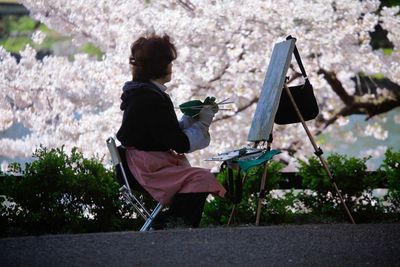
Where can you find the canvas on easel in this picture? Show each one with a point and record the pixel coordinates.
(271, 91)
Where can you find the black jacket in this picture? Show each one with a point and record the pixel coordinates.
(149, 121)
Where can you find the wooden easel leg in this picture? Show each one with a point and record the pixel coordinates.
(318, 152)
(325, 165)
(261, 195)
(232, 215)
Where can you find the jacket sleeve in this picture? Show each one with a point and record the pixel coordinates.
(163, 124)
(198, 136)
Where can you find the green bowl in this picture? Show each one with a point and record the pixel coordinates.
(191, 108)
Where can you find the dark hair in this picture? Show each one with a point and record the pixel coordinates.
(150, 57)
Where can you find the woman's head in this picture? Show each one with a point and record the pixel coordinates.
(151, 57)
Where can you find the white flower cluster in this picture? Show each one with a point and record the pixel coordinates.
(376, 130)
(38, 37)
(223, 51)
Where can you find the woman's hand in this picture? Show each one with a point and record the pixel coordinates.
(210, 101)
(206, 115)
(186, 121)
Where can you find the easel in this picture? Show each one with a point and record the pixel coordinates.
(317, 151)
(276, 81)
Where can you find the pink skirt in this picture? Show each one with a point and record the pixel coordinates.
(163, 174)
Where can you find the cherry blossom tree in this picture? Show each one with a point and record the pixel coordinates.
(223, 51)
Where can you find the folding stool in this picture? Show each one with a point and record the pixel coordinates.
(126, 188)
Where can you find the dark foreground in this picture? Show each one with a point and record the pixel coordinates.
(304, 245)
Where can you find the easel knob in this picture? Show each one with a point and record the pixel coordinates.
(318, 152)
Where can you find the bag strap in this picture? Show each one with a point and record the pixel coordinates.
(298, 58)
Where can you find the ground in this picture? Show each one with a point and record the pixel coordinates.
(301, 245)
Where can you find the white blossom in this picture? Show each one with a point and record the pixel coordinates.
(396, 118)
(223, 50)
(38, 37)
(376, 131)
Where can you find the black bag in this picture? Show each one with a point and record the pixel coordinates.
(232, 184)
(303, 96)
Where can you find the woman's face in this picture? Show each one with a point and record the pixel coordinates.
(168, 77)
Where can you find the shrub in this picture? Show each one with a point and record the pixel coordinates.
(318, 202)
(58, 193)
(354, 182)
(391, 169)
(217, 211)
(349, 173)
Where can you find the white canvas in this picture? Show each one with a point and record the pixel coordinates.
(264, 116)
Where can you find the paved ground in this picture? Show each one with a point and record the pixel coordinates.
(306, 245)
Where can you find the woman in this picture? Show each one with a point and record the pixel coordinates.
(156, 140)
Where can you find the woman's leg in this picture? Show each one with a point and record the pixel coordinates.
(186, 208)
(189, 207)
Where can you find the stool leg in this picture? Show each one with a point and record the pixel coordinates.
(149, 220)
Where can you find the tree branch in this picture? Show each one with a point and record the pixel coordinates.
(370, 106)
(186, 4)
(337, 86)
(240, 109)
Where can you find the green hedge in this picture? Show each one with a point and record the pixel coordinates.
(319, 203)
(68, 193)
(60, 193)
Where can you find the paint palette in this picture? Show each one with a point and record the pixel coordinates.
(246, 152)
